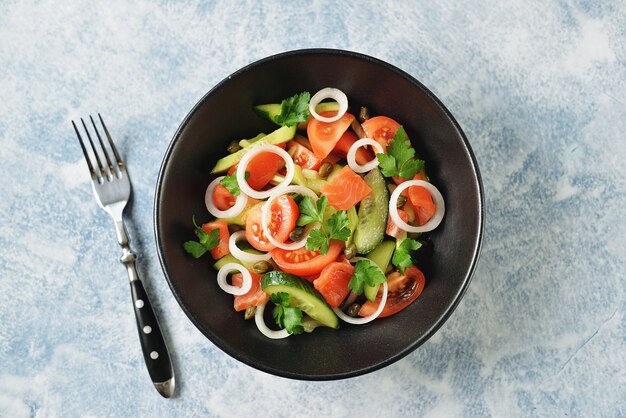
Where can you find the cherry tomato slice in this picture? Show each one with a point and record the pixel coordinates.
(324, 135)
(221, 249)
(348, 138)
(283, 215)
(381, 129)
(254, 231)
(333, 282)
(222, 198)
(303, 262)
(303, 156)
(403, 290)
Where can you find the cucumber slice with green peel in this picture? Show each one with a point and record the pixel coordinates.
(229, 258)
(271, 110)
(241, 218)
(279, 136)
(381, 255)
(302, 295)
(370, 230)
(247, 142)
(353, 220)
(268, 111)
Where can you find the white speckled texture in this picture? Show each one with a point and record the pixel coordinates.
(540, 90)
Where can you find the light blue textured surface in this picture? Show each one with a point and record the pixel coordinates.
(540, 90)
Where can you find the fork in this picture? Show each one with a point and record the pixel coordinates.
(111, 186)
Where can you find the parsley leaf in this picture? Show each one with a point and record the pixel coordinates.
(311, 212)
(365, 272)
(286, 316)
(335, 228)
(206, 241)
(402, 254)
(294, 109)
(399, 160)
(231, 184)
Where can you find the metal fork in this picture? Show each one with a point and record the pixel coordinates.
(111, 185)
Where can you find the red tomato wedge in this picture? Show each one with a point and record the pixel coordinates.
(324, 135)
(262, 168)
(346, 189)
(283, 215)
(303, 156)
(363, 156)
(221, 249)
(255, 296)
(222, 198)
(254, 232)
(394, 230)
(403, 290)
(381, 129)
(333, 282)
(303, 262)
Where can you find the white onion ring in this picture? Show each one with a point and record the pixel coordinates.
(432, 222)
(242, 255)
(329, 93)
(357, 168)
(370, 318)
(265, 209)
(260, 324)
(238, 207)
(234, 290)
(241, 170)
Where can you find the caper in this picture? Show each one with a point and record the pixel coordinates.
(234, 228)
(233, 147)
(364, 114)
(350, 252)
(401, 201)
(296, 234)
(325, 170)
(261, 267)
(353, 310)
(250, 312)
(391, 187)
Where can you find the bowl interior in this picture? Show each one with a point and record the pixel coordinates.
(224, 114)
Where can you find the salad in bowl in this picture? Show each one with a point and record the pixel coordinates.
(322, 221)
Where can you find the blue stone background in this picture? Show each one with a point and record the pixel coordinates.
(540, 90)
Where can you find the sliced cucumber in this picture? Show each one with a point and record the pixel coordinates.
(247, 142)
(279, 136)
(381, 255)
(302, 295)
(268, 111)
(336, 169)
(353, 220)
(372, 214)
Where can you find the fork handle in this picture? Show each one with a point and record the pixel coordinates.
(155, 352)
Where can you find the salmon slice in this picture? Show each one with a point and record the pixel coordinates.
(346, 189)
(255, 295)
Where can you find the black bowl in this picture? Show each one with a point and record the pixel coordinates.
(225, 113)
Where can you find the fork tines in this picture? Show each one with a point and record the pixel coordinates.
(102, 172)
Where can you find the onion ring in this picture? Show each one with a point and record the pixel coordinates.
(238, 207)
(329, 93)
(246, 285)
(242, 255)
(357, 168)
(432, 222)
(241, 170)
(265, 209)
(370, 318)
(260, 324)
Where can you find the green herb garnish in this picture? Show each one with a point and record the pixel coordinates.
(365, 272)
(399, 160)
(286, 316)
(402, 254)
(335, 228)
(206, 241)
(294, 109)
